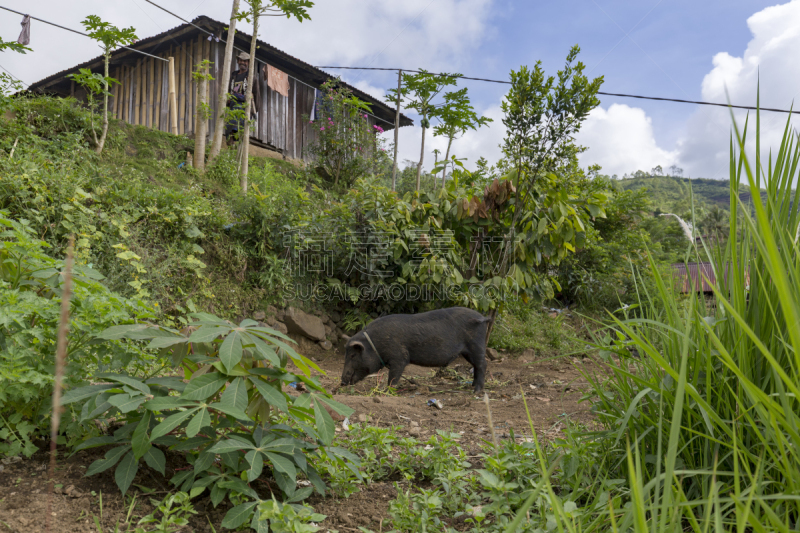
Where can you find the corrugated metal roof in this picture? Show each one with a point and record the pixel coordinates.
(701, 275)
(313, 75)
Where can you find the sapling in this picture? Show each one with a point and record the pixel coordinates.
(110, 37)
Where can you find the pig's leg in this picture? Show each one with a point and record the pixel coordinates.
(395, 372)
(476, 355)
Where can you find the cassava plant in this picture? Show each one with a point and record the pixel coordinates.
(110, 37)
(96, 85)
(229, 414)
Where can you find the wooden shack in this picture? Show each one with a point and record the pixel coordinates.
(141, 97)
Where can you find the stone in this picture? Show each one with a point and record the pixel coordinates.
(376, 400)
(280, 314)
(304, 345)
(326, 345)
(492, 354)
(307, 325)
(259, 315)
(415, 431)
(529, 354)
(328, 330)
(335, 317)
(414, 424)
(271, 310)
(363, 418)
(326, 320)
(271, 320)
(280, 327)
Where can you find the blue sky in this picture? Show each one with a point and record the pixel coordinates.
(661, 48)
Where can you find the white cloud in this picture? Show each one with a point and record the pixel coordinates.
(768, 61)
(620, 139)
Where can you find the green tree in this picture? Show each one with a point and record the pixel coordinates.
(258, 9)
(9, 84)
(456, 117)
(420, 89)
(542, 115)
(110, 37)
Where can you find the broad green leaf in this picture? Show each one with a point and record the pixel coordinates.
(200, 420)
(126, 471)
(81, 393)
(170, 423)
(282, 464)
(120, 332)
(325, 425)
(208, 333)
(203, 387)
(266, 351)
(155, 459)
(164, 342)
(230, 353)
(238, 515)
(270, 394)
(165, 403)
(125, 403)
(241, 415)
(340, 408)
(111, 458)
(231, 445)
(127, 380)
(235, 395)
(139, 440)
(239, 486)
(256, 462)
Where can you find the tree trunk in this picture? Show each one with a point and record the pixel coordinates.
(447, 155)
(421, 157)
(201, 124)
(219, 124)
(103, 134)
(248, 103)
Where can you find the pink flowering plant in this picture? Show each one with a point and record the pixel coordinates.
(348, 144)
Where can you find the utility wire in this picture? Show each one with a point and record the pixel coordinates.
(698, 102)
(16, 78)
(78, 32)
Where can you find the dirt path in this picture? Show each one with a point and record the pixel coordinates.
(552, 389)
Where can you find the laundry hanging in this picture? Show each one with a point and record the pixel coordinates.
(277, 80)
(25, 35)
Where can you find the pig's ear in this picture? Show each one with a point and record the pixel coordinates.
(357, 346)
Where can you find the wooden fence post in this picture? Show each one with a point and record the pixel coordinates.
(173, 105)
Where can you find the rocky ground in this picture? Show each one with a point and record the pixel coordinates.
(552, 389)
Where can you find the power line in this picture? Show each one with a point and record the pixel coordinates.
(78, 32)
(16, 78)
(678, 100)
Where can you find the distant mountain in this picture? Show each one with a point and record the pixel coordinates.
(673, 194)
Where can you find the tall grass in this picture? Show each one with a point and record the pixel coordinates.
(705, 425)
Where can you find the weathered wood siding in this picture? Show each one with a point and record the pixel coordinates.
(142, 97)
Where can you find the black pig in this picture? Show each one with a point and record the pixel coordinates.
(431, 339)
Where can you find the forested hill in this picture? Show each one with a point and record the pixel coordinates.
(671, 194)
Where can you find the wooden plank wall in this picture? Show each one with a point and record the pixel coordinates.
(141, 98)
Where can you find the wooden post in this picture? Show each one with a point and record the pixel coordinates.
(157, 97)
(181, 88)
(151, 102)
(396, 129)
(137, 96)
(173, 105)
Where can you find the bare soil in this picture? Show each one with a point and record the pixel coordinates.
(552, 390)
